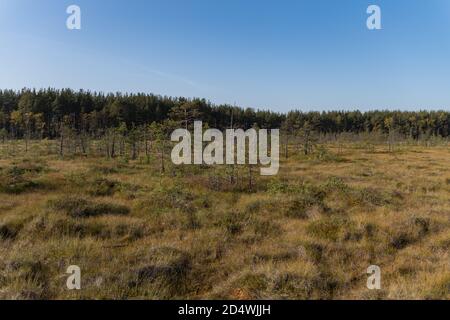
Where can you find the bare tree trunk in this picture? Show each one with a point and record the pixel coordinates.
(146, 143)
(82, 144)
(26, 142)
(162, 156)
(286, 147)
(61, 144)
(250, 178)
(133, 150)
(113, 147)
(108, 152)
(122, 147)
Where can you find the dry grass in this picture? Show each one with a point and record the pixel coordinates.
(309, 233)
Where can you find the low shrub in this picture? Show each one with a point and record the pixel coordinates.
(409, 232)
(324, 155)
(233, 222)
(78, 207)
(102, 187)
(330, 228)
(167, 273)
(172, 198)
(9, 231)
(266, 228)
(13, 181)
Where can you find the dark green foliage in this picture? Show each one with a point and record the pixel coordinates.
(96, 112)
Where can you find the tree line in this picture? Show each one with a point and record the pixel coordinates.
(52, 114)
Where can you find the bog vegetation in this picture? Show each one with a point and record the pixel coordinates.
(354, 190)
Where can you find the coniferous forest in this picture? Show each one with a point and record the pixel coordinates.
(46, 113)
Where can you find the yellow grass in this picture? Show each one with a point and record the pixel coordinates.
(181, 239)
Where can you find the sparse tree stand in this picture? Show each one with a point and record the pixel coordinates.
(133, 139)
(82, 135)
(65, 134)
(122, 133)
(288, 128)
(250, 178)
(161, 132)
(147, 140)
(340, 142)
(163, 146)
(186, 113)
(83, 143)
(390, 124)
(285, 130)
(286, 146)
(251, 182)
(27, 124)
(113, 144)
(306, 134)
(61, 140)
(110, 143)
(3, 135)
(391, 140)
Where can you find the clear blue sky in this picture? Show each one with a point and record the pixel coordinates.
(279, 55)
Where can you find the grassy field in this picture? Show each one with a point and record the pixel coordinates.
(203, 232)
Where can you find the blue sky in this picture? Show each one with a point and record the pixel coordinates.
(278, 55)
